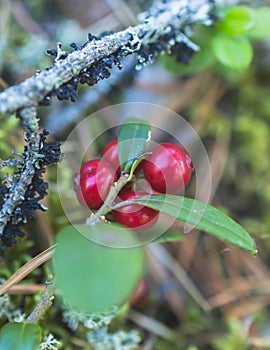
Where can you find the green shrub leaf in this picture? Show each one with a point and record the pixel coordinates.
(202, 216)
(20, 336)
(233, 52)
(262, 28)
(132, 139)
(200, 61)
(238, 20)
(93, 277)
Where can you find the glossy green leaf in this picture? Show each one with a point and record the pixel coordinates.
(93, 277)
(20, 336)
(132, 140)
(202, 216)
(233, 52)
(238, 20)
(262, 28)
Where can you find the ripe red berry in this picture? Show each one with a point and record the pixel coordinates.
(77, 189)
(140, 295)
(168, 169)
(135, 216)
(142, 185)
(139, 169)
(93, 183)
(110, 155)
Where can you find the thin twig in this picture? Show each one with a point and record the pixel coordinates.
(44, 303)
(96, 218)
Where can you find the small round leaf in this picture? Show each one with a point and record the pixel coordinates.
(262, 28)
(233, 52)
(20, 336)
(93, 277)
(200, 61)
(238, 20)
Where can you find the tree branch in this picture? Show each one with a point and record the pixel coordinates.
(21, 197)
(164, 21)
(73, 112)
(20, 184)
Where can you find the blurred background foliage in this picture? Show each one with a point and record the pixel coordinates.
(229, 109)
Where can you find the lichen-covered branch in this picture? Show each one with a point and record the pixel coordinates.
(160, 29)
(70, 113)
(44, 304)
(21, 197)
(17, 189)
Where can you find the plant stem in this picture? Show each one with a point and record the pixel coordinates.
(97, 217)
(44, 303)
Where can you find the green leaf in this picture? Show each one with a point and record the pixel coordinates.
(238, 20)
(200, 61)
(169, 236)
(233, 52)
(93, 277)
(262, 28)
(132, 139)
(20, 336)
(202, 216)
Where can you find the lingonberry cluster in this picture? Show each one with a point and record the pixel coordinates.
(167, 169)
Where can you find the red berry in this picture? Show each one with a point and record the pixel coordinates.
(143, 185)
(168, 169)
(139, 169)
(135, 216)
(127, 188)
(77, 189)
(93, 183)
(140, 295)
(110, 155)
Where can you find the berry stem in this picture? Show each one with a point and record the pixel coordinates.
(98, 216)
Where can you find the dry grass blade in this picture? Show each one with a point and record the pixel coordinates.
(27, 269)
(249, 306)
(151, 325)
(25, 289)
(172, 265)
(161, 276)
(238, 289)
(3, 83)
